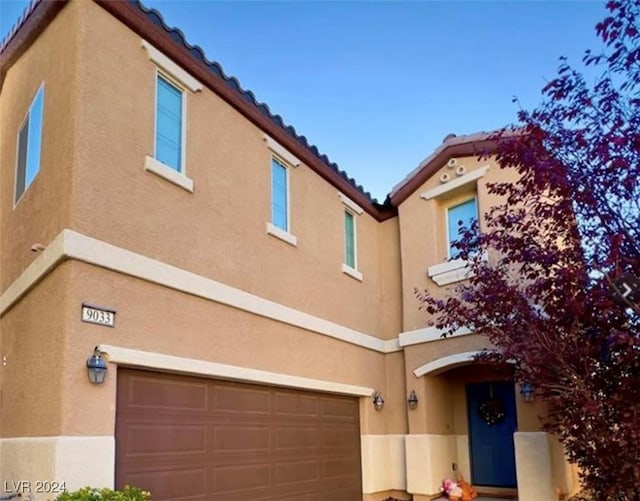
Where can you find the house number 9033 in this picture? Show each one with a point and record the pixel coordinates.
(100, 316)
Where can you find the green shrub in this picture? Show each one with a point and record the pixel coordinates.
(93, 494)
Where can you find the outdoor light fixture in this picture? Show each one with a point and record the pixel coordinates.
(96, 367)
(378, 401)
(527, 392)
(412, 401)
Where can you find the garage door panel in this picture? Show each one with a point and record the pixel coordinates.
(166, 394)
(171, 483)
(293, 404)
(241, 438)
(296, 437)
(338, 408)
(234, 441)
(236, 399)
(241, 478)
(165, 438)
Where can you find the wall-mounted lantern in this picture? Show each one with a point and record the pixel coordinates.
(378, 401)
(412, 401)
(527, 392)
(96, 367)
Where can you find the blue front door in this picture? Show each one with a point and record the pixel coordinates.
(492, 422)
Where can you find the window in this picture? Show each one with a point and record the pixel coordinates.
(169, 123)
(461, 215)
(29, 145)
(349, 240)
(279, 195)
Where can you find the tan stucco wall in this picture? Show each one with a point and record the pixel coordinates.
(157, 319)
(423, 230)
(44, 207)
(31, 377)
(217, 231)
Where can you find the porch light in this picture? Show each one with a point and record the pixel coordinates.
(412, 401)
(378, 401)
(527, 392)
(96, 367)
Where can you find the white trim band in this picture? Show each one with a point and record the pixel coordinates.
(273, 230)
(166, 172)
(456, 183)
(350, 204)
(72, 245)
(428, 335)
(159, 59)
(447, 362)
(352, 272)
(281, 151)
(151, 360)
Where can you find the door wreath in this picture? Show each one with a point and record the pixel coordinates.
(491, 410)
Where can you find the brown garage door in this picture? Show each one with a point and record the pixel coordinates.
(183, 437)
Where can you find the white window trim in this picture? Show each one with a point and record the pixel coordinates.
(446, 219)
(346, 269)
(456, 183)
(162, 61)
(272, 229)
(285, 236)
(350, 203)
(352, 272)
(281, 152)
(183, 124)
(166, 172)
(16, 199)
(450, 272)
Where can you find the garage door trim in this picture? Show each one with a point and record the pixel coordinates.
(196, 367)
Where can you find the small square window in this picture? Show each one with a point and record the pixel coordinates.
(29, 145)
(459, 216)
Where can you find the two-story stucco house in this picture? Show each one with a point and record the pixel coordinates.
(254, 307)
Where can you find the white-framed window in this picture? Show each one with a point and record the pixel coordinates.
(350, 255)
(170, 123)
(29, 145)
(279, 194)
(350, 230)
(460, 215)
(172, 85)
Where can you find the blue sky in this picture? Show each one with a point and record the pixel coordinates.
(377, 85)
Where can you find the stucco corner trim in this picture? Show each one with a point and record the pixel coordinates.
(47, 260)
(448, 362)
(281, 234)
(166, 172)
(281, 151)
(442, 189)
(428, 335)
(159, 59)
(350, 204)
(152, 360)
(352, 272)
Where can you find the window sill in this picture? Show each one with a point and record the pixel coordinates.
(449, 272)
(166, 172)
(285, 236)
(352, 272)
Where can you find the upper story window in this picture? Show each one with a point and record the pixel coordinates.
(29, 145)
(349, 240)
(172, 85)
(279, 195)
(169, 123)
(350, 265)
(282, 164)
(461, 215)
